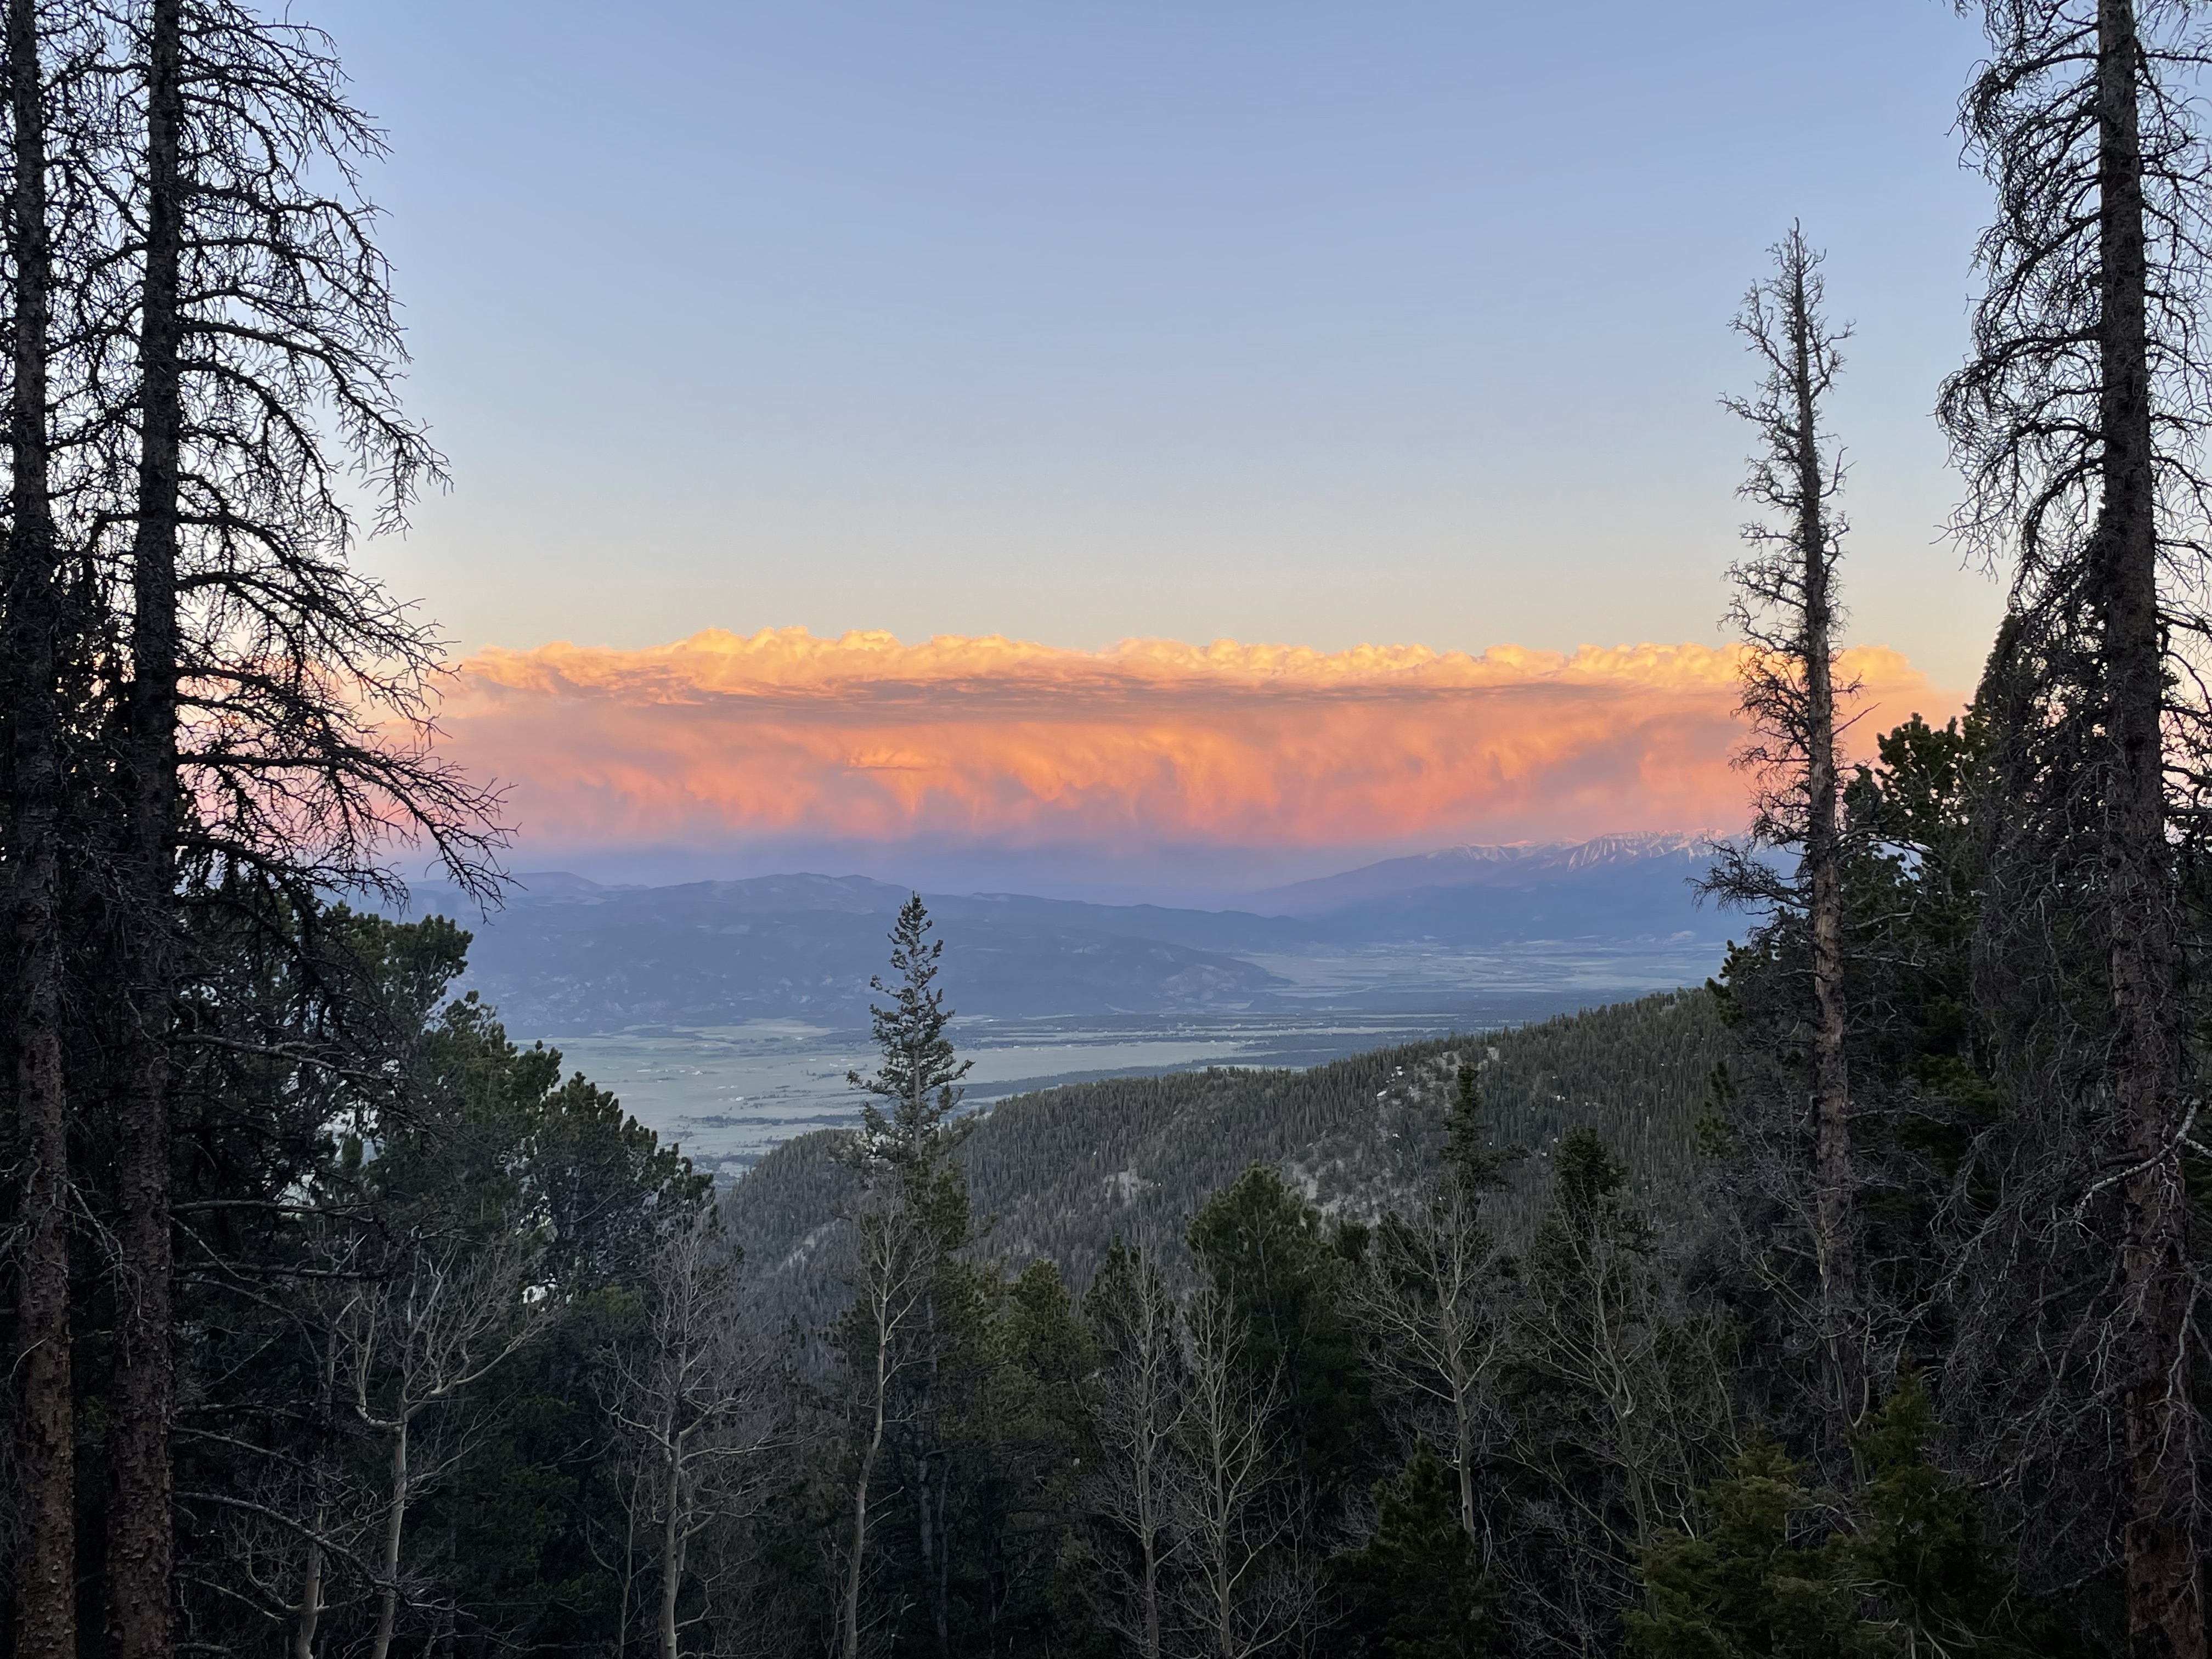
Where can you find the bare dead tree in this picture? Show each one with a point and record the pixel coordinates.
(2078, 421)
(692, 1398)
(54, 114)
(45, 1573)
(142, 1548)
(1786, 611)
(276, 704)
(1137, 1404)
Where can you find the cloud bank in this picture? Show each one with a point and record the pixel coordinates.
(720, 739)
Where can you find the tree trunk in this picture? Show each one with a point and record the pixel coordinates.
(861, 1492)
(1836, 1217)
(1463, 1427)
(142, 1547)
(45, 1429)
(1151, 1597)
(671, 1550)
(395, 1521)
(2165, 1614)
(929, 1501)
(311, 1598)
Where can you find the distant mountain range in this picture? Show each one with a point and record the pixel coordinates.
(1524, 865)
(570, 956)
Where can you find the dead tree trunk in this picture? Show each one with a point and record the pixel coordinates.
(1785, 608)
(142, 1543)
(2080, 422)
(2165, 1614)
(45, 1570)
(1837, 1209)
(879, 1386)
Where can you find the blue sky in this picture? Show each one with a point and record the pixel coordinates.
(1301, 322)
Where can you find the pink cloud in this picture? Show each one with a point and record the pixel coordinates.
(719, 738)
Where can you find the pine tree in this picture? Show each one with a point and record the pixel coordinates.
(1918, 1545)
(919, 1075)
(1272, 1260)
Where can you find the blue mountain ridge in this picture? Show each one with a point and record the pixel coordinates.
(567, 955)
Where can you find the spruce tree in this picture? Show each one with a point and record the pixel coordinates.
(1273, 1261)
(914, 1313)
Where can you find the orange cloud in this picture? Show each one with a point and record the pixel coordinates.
(720, 737)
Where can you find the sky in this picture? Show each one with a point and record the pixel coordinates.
(1319, 325)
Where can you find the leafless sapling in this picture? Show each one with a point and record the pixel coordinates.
(1136, 1403)
(1429, 1290)
(1243, 1587)
(691, 1397)
(449, 1312)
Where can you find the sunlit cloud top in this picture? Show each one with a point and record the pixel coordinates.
(722, 738)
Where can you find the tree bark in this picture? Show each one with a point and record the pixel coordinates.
(851, 1647)
(142, 1547)
(2165, 1614)
(671, 1546)
(395, 1522)
(45, 1570)
(311, 1597)
(1463, 1449)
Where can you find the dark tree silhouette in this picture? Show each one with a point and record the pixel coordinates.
(37, 623)
(2078, 420)
(264, 676)
(1786, 611)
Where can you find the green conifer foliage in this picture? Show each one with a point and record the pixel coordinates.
(1468, 1158)
(1919, 1547)
(1749, 1584)
(1416, 1590)
(918, 1077)
(1273, 1259)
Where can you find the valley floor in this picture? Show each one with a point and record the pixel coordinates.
(728, 1094)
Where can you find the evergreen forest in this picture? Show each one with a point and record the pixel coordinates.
(1852, 1304)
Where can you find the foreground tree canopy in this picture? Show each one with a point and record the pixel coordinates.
(338, 1323)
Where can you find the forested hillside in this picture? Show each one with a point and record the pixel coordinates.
(1063, 1174)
